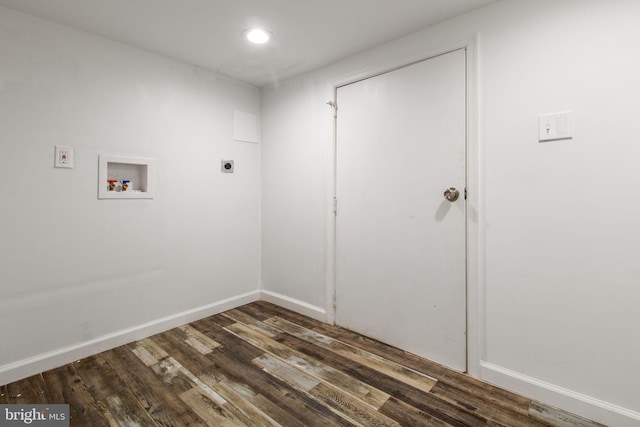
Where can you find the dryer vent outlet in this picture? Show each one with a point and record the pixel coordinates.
(227, 166)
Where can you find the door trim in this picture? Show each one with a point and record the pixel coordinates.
(474, 214)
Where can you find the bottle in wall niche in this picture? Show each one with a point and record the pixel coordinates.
(126, 185)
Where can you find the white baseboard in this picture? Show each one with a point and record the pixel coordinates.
(43, 362)
(562, 398)
(292, 304)
(565, 399)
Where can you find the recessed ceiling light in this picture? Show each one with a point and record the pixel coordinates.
(257, 35)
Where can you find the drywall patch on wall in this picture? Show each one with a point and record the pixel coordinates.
(245, 126)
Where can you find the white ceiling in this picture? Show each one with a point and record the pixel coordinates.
(207, 33)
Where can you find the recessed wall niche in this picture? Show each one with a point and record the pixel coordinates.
(122, 177)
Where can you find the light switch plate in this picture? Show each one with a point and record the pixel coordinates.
(64, 157)
(555, 126)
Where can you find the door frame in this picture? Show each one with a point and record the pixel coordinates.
(475, 303)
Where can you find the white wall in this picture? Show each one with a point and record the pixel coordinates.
(293, 192)
(75, 270)
(557, 282)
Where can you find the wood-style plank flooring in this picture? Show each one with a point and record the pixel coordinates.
(262, 365)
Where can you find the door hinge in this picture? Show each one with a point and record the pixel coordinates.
(334, 301)
(465, 193)
(335, 205)
(334, 107)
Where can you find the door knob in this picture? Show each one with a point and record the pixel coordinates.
(451, 194)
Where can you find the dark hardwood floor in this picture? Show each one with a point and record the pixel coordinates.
(262, 365)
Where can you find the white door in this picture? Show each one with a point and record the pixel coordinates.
(400, 245)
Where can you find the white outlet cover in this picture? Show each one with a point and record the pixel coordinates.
(64, 157)
(555, 126)
(227, 166)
